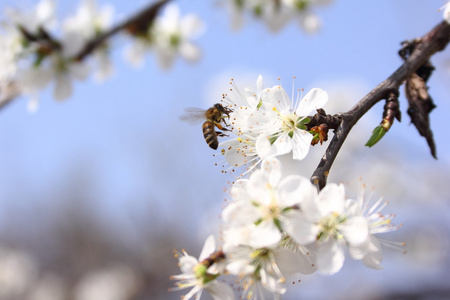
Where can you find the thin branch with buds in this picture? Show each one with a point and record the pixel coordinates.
(135, 25)
(432, 42)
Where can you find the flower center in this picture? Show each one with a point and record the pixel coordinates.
(329, 226)
(175, 40)
(271, 211)
(291, 122)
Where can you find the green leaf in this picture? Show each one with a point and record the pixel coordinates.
(259, 103)
(305, 120)
(257, 222)
(273, 138)
(39, 59)
(278, 224)
(301, 126)
(377, 134)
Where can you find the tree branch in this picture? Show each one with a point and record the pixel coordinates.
(137, 24)
(432, 42)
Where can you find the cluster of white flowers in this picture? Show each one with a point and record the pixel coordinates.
(267, 123)
(36, 57)
(170, 35)
(279, 226)
(38, 49)
(277, 13)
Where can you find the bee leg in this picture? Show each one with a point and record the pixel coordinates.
(218, 125)
(221, 133)
(225, 122)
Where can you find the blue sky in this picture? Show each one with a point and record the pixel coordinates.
(124, 135)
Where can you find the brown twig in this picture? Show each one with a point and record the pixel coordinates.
(432, 42)
(135, 25)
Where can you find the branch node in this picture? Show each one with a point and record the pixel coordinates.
(322, 118)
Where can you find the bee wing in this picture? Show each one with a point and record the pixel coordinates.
(193, 115)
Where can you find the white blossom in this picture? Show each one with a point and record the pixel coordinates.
(257, 222)
(370, 250)
(36, 57)
(276, 14)
(13, 44)
(241, 150)
(263, 203)
(268, 123)
(197, 276)
(173, 35)
(278, 226)
(135, 52)
(57, 67)
(43, 15)
(326, 220)
(169, 36)
(11, 49)
(88, 22)
(282, 122)
(256, 268)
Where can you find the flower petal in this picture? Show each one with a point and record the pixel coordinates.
(355, 230)
(330, 258)
(208, 248)
(191, 26)
(283, 144)
(331, 199)
(135, 53)
(265, 234)
(263, 147)
(301, 142)
(165, 57)
(238, 213)
(190, 51)
(187, 264)
(271, 168)
(220, 290)
(63, 87)
(259, 85)
(314, 99)
(293, 262)
(299, 228)
(79, 70)
(294, 189)
(277, 98)
(374, 255)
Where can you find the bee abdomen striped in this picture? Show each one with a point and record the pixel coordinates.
(209, 133)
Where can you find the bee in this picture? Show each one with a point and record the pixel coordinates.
(215, 117)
